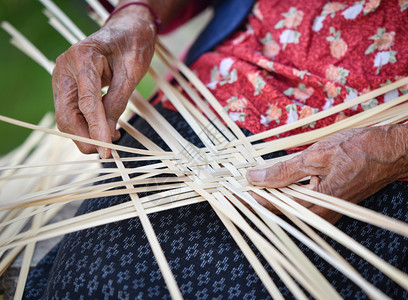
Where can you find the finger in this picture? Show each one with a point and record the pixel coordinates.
(91, 106)
(313, 183)
(320, 185)
(279, 175)
(115, 101)
(67, 114)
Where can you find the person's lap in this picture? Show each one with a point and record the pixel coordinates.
(115, 260)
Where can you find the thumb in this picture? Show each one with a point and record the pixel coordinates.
(279, 175)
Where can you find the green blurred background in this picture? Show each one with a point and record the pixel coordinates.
(25, 87)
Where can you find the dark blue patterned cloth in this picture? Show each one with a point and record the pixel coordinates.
(115, 261)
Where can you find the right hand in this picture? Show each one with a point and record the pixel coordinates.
(352, 165)
(118, 55)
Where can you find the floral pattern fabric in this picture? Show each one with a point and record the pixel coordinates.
(292, 59)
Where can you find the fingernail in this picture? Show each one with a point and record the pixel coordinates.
(256, 175)
(103, 152)
(100, 151)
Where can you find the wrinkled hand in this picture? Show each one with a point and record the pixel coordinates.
(118, 56)
(352, 165)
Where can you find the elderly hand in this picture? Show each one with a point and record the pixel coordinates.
(351, 165)
(117, 55)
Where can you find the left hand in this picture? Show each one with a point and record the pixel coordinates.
(351, 165)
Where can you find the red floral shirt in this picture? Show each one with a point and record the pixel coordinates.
(294, 58)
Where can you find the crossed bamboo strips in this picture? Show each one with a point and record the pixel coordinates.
(214, 173)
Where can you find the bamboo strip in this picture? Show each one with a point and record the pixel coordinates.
(13, 254)
(333, 110)
(274, 259)
(11, 231)
(336, 234)
(69, 198)
(297, 257)
(74, 224)
(25, 267)
(263, 212)
(114, 2)
(207, 166)
(161, 204)
(27, 47)
(99, 9)
(210, 98)
(96, 171)
(347, 208)
(9, 215)
(81, 162)
(225, 133)
(394, 120)
(251, 257)
(298, 260)
(81, 139)
(176, 143)
(63, 18)
(60, 28)
(23, 151)
(172, 95)
(153, 241)
(65, 189)
(398, 113)
(25, 215)
(8, 260)
(18, 230)
(14, 189)
(344, 268)
(309, 137)
(80, 185)
(367, 287)
(138, 136)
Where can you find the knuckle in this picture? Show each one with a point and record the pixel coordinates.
(328, 187)
(62, 121)
(89, 71)
(60, 61)
(284, 170)
(276, 172)
(93, 128)
(78, 50)
(86, 104)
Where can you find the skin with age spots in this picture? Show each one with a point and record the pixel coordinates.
(118, 55)
(352, 165)
(112, 56)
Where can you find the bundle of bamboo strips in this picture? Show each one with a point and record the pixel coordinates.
(214, 173)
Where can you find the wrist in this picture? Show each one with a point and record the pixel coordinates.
(135, 13)
(396, 140)
(164, 10)
(401, 139)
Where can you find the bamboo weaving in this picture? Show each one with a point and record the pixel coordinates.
(214, 173)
